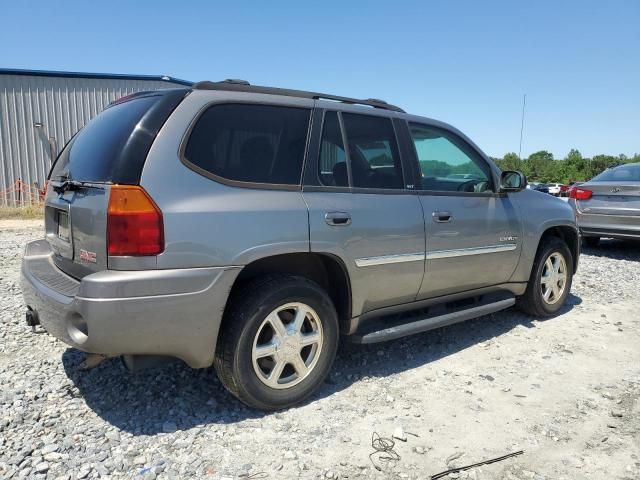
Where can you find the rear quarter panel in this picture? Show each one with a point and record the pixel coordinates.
(208, 223)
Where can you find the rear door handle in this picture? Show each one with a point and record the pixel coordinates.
(337, 218)
(442, 217)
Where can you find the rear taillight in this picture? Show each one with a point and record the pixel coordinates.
(580, 193)
(134, 222)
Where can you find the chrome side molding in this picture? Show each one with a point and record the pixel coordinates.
(386, 259)
(417, 257)
(463, 252)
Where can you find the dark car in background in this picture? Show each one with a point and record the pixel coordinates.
(539, 187)
(608, 205)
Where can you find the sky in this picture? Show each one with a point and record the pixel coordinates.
(467, 63)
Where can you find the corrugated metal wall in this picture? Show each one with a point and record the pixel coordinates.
(62, 106)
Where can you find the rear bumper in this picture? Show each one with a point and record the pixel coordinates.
(614, 226)
(610, 233)
(149, 312)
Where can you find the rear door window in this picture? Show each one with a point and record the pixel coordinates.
(250, 143)
(333, 160)
(373, 152)
(94, 154)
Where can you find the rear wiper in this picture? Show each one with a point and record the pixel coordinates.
(72, 186)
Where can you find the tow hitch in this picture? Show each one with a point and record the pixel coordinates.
(31, 316)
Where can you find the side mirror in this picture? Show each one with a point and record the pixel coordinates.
(512, 181)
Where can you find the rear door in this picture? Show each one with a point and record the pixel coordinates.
(360, 209)
(473, 235)
(110, 149)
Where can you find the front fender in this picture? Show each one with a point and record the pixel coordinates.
(539, 213)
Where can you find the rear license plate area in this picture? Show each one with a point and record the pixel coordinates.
(62, 225)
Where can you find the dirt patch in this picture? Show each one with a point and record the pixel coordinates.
(21, 224)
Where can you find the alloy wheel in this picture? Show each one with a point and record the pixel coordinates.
(287, 345)
(554, 278)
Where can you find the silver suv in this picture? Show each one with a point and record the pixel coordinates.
(249, 227)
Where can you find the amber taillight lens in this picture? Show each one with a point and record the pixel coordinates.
(134, 222)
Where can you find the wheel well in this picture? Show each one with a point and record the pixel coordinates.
(326, 270)
(570, 236)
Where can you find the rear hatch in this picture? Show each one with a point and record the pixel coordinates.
(111, 149)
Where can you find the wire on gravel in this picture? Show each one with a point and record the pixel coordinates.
(383, 451)
(467, 467)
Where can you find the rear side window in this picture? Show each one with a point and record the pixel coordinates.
(94, 154)
(373, 152)
(333, 160)
(250, 143)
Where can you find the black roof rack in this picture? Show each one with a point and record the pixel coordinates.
(107, 76)
(234, 85)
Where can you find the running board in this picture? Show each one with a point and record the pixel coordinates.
(390, 328)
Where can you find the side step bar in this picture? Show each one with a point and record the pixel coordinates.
(384, 329)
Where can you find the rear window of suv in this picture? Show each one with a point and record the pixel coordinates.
(94, 154)
(250, 143)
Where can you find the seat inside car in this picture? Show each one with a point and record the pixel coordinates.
(257, 152)
(340, 175)
(367, 177)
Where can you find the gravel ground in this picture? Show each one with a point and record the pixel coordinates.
(563, 390)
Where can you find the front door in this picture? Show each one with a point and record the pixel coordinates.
(473, 234)
(360, 211)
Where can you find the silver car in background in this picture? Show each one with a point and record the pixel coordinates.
(609, 204)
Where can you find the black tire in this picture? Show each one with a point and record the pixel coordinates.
(591, 241)
(532, 302)
(247, 309)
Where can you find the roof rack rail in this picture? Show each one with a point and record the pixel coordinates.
(235, 85)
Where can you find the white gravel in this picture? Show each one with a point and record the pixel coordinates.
(564, 390)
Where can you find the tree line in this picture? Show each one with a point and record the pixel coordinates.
(542, 167)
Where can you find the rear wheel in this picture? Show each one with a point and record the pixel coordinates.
(278, 341)
(592, 241)
(550, 280)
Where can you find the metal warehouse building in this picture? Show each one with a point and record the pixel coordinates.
(41, 110)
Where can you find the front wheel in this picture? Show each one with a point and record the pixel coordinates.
(550, 281)
(278, 341)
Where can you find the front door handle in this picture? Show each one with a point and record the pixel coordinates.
(442, 217)
(337, 218)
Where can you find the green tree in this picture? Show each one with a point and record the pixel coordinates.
(540, 166)
(541, 156)
(600, 163)
(572, 168)
(575, 157)
(510, 162)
